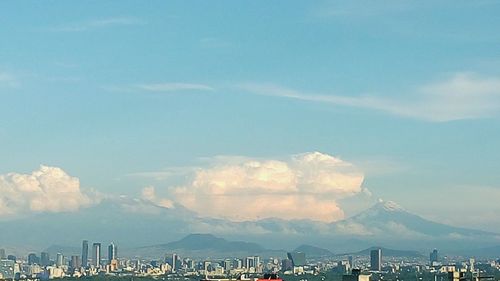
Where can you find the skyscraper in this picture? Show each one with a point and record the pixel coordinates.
(376, 260)
(44, 259)
(33, 259)
(237, 263)
(75, 262)
(96, 254)
(59, 260)
(175, 262)
(227, 265)
(111, 252)
(85, 253)
(297, 258)
(434, 257)
(2, 254)
(249, 263)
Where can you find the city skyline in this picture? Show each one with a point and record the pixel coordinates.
(319, 109)
(370, 264)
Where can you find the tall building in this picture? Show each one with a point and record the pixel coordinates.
(176, 262)
(228, 265)
(111, 252)
(434, 257)
(75, 262)
(33, 259)
(237, 263)
(2, 254)
(44, 259)
(85, 253)
(297, 258)
(59, 260)
(249, 262)
(376, 260)
(96, 254)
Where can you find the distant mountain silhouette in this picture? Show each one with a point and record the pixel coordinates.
(209, 241)
(205, 245)
(388, 218)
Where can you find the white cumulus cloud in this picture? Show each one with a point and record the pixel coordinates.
(306, 186)
(48, 189)
(149, 194)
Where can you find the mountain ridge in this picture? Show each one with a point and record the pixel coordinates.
(139, 223)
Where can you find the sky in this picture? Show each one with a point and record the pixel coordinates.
(329, 105)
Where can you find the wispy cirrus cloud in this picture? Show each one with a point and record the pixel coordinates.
(96, 24)
(161, 87)
(164, 173)
(461, 96)
(171, 87)
(9, 80)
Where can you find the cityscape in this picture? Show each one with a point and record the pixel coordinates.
(374, 266)
(223, 140)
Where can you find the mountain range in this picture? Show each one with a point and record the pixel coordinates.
(136, 224)
(208, 245)
(204, 245)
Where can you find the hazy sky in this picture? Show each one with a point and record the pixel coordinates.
(194, 101)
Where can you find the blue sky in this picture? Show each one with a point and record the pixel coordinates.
(406, 91)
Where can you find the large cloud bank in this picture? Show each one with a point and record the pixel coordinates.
(306, 186)
(48, 189)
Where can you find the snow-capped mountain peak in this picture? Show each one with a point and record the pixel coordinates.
(389, 206)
